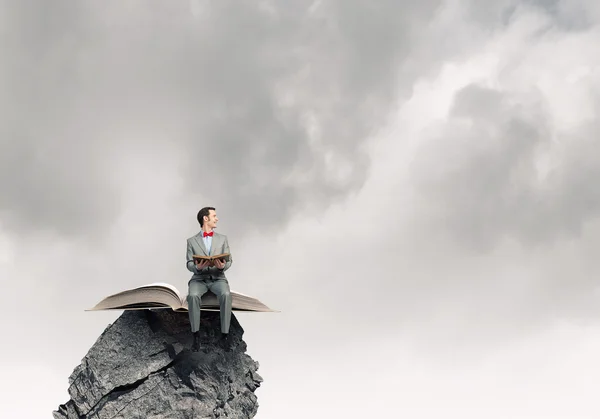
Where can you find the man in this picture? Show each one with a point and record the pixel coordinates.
(208, 278)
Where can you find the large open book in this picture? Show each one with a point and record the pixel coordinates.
(161, 295)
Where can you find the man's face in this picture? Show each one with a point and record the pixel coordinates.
(212, 219)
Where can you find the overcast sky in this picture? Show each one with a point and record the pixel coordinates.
(413, 183)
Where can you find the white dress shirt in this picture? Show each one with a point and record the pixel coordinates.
(207, 242)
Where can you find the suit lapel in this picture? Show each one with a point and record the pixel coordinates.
(201, 244)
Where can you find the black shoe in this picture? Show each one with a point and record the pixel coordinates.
(196, 345)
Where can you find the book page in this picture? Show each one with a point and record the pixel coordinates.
(225, 256)
(153, 295)
(162, 284)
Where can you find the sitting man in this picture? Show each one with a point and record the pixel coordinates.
(206, 277)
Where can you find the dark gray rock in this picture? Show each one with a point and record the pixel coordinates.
(141, 367)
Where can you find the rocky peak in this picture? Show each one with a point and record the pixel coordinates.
(141, 367)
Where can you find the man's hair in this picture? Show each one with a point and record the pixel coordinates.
(202, 213)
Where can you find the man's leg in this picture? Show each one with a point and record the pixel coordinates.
(196, 289)
(221, 289)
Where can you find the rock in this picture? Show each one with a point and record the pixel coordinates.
(142, 367)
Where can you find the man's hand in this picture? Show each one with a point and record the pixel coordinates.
(202, 264)
(220, 263)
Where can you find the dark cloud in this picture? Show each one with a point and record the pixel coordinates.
(480, 176)
(271, 103)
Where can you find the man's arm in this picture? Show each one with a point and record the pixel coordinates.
(191, 265)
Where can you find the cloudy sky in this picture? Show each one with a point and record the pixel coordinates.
(411, 182)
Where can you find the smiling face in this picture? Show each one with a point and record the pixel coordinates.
(211, 220)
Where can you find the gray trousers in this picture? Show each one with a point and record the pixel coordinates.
(197, 288)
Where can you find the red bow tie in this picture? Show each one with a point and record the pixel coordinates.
(208, 234)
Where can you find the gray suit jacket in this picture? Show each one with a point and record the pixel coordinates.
(195, 246)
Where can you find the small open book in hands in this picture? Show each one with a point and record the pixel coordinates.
(199, 258)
